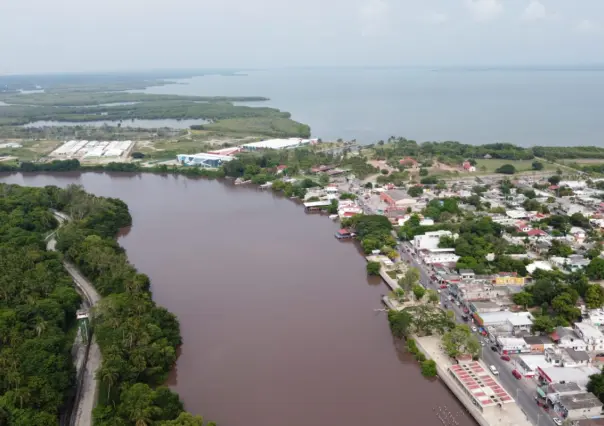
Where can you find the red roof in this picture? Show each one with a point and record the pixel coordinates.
(343, 231)
(281, 167)
(349, 214)
(554, 187)
(536, 232)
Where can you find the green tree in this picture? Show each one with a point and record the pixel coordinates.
(137, 405)
(418, 291)
(596, 385)
(506, 169)
(410, 278)
(415, 191)
(373, 268)
(460, 341)
(433, 296)
(595, 269)
(537, 165)
(543, 324)
(554, 180)
(429, 368)
(400, 323)
(524, 299)
(323, 179)
(594, 296)
(423, 172)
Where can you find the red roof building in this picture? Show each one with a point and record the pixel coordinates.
(537, 233)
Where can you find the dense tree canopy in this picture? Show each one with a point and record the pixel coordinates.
(37, 310)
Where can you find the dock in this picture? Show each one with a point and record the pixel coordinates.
(315, 206)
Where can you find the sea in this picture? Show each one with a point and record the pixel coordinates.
(523, 106)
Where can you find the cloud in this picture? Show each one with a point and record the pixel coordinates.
(534, 11)
(436, 18)
(484, 10)
(587, 26)
(374, 17)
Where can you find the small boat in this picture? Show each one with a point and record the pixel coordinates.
(333, 216)
(240, 181)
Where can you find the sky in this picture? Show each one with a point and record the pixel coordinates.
(39, 36)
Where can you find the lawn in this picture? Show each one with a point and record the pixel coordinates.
(490, 165)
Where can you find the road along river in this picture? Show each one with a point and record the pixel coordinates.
(278, 318)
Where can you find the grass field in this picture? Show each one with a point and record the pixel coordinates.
(489, 166)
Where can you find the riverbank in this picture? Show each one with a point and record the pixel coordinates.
(353, 356)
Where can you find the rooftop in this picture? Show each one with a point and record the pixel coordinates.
(579, 375)
(479, 383)
(580, 401)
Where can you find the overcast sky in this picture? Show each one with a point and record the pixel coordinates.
(84, 35)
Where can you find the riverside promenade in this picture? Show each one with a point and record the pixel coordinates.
(508, 414)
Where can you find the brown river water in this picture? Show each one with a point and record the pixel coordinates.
(278, 318)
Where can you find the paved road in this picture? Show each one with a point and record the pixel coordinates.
(515, 387)
(86, 395)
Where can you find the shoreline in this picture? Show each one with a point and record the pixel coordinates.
(386, 280)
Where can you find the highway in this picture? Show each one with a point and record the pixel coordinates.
(516, 388)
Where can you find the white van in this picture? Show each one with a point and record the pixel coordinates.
(494, 370)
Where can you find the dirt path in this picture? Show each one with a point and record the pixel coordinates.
(86, 358)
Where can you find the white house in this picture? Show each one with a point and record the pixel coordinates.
(566, 337)
(440, 256)
(590, 335)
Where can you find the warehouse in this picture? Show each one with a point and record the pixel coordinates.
(278, 144)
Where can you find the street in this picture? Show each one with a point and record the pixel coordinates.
(516, 388)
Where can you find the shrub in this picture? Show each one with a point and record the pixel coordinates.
(373, 268)
(429, 368)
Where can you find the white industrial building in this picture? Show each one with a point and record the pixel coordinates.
(278, 144)
(93, 149)
(203, 160)
(429, 240)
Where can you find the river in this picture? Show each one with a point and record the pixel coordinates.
(278, 318)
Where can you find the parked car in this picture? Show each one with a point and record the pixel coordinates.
(494, 348)
(557, 420)
(443, 286)
(516, 374)
(464, 317)
(474, 329)
(505, 357)
(494, 370)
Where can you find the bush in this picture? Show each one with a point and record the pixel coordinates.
(429, 368)
(506, 169)
(373, 268)
(384, 171)
(537, 165)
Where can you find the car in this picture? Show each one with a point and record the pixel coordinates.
(474, 329)
(557, 420)
(438, 291)
(494, 348)
(505, 357)
(482, 343)
(464, 317)
(445, 305)
(443, 286)
(516, 374)
(494, 370)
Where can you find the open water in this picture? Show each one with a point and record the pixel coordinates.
(522, 106)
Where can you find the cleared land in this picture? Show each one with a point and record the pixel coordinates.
(490, 165)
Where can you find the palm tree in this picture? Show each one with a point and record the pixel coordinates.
(109, 376)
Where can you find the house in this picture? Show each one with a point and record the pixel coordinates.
(536, 233)
(522, 226)
(578, 375)
(505, 321)
(430, 240)
(569, 358)
(466, 274)
(512, 345)
(573, 262)
(281, 168)
(591, 335)
(487, 156)
(565, 337)
(578, 234)
(397, 198)
(468, 167)
(538, 344)
(439, 255)
(579, 406)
